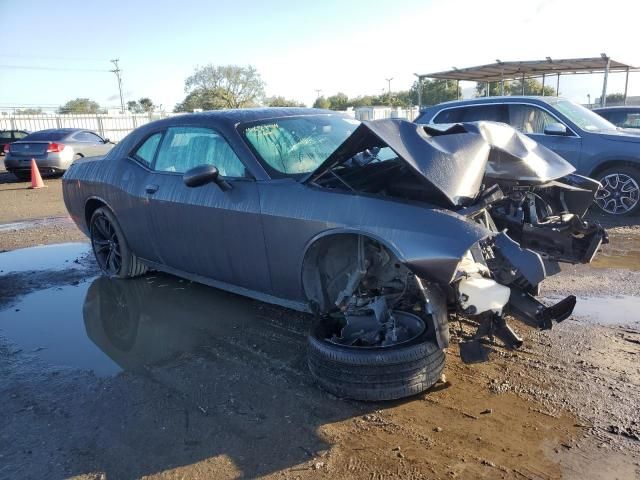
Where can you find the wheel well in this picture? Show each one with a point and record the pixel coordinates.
(612, 163)
(91, 206)
(330, 261)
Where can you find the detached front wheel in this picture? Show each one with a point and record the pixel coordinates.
(348, 366)
(110, 248)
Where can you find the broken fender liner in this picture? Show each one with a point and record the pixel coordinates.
(528, 263)
(528, 309)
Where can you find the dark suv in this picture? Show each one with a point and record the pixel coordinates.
(10, 136)
(596, 147)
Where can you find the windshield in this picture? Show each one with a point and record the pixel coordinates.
(298, 145)
(583, 117)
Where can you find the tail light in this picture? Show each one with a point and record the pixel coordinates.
(55, 147)
(7, 148)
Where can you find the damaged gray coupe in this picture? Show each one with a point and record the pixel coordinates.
(382, 230)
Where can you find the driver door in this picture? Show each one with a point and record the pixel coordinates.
(204, 230)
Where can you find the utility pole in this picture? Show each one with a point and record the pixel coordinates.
(317, 90)
(389, 84)
(117, 71)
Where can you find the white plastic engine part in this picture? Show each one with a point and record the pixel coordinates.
(483, 294)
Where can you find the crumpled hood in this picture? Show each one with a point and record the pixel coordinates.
(453, 159)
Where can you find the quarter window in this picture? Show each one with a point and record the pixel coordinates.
(147, 150)
(184, 148)
(529, 119)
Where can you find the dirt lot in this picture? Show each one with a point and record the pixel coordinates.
(161, 378)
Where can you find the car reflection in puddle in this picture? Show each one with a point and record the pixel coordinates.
(111, 325)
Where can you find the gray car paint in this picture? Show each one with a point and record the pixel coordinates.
(454, 158)
(55, 162)
(253, 239)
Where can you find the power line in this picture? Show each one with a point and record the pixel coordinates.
(60, 69)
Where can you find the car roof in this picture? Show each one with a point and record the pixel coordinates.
(242, 115)
(500, 99)
(62, 130)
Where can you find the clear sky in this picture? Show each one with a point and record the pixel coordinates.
(297, 46)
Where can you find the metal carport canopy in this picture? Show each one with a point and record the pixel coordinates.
(499, 71)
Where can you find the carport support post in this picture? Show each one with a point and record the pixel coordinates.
(523, 84)
(543, 77)
(458, 90)
(558, 86)
(603, 99)
(488, 88)
(626, 86)
(419, 94)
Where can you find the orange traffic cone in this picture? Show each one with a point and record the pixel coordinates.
(36, 179)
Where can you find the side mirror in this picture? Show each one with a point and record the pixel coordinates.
(106, 140)
(555, 129)
(203, 174)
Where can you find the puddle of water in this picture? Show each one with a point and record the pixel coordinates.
(609, 311)
(112, 325)
(622, 252)
(46, 257)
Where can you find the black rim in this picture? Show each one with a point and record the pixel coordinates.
(106, 245)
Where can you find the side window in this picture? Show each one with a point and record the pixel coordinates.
(472, 113)
(452, 115)
(5, 135)
(529, 119)
(19, 135)
(87, 137)
(184, 148)
(147, 150)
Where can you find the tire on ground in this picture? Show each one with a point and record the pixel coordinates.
(130, 266)
(373, 374)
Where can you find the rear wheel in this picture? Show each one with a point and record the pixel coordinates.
(620, 191)
(110, 248)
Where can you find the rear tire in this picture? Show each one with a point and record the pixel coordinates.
(620, 192)
(374, 374)
(110, 247)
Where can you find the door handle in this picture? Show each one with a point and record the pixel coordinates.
(151, 189)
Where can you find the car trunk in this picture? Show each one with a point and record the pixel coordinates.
(29, 149)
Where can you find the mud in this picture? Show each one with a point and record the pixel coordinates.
(165, 378)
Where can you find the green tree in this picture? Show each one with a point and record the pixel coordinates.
(339, 101)
(79, 105)
(205, 100)
(146, 104)
(280, 101)
(435, 91)
(134, 107)
(222, 86)
(615, 99)
(532, 86)
(321, 102)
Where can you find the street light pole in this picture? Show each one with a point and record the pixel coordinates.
(117, 71)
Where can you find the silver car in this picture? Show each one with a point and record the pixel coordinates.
(53, 150)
